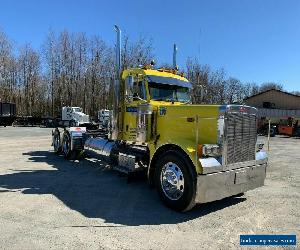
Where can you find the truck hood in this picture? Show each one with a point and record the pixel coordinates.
(81, 114)
(164, 103)
(82, 117)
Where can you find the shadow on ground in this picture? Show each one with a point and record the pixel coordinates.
(286, 136)
(98, 192)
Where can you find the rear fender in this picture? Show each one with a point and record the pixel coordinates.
(77, 137)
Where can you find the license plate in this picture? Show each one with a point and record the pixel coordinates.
(240, 177)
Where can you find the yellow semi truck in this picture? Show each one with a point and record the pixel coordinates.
(191, 153)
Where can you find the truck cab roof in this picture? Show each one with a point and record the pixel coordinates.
(160, 76)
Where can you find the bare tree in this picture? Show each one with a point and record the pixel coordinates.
(296, 92)
(136, 53)
(50, 56)
(7, 68)
(218, 88)
(74, 69)
(270, 85)
(198, 76)
(29, 77)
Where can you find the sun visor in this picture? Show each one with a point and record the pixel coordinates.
(169, 81)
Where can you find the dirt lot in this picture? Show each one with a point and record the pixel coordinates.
(46, 202)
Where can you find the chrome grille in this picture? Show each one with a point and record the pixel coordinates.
(240, 137)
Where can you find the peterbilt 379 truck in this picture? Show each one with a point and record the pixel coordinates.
(190, 153)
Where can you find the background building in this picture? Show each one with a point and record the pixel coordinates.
(275, 103)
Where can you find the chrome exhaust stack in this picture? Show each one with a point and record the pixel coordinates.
(175, 57)
(115, 117)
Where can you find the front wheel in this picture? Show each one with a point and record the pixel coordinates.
(272, 132)
(72, 123)
(176, 181)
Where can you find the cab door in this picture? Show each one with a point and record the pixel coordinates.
(137, 97)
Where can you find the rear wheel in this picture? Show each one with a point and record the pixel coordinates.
(56, 142)
(176, 181)
(66, 145)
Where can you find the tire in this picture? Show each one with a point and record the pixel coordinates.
(56, 142)
(66, 145)
(175, 164)
(47, 124)
(272, 132)
(72, 123)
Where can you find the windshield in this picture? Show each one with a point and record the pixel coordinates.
(77, 109)
(165, 92)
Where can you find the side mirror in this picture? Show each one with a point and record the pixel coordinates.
(129, 88)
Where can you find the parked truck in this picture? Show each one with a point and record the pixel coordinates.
(190, 153)
(274, 117)
(103, 118)
(7, 113)
(267, 125)
(70, 117)
(73, 116)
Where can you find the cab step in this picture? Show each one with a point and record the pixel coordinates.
(128, 171)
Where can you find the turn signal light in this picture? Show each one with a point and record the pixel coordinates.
(200, 150)
(212, 150)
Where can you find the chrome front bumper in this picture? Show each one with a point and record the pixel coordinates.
(222, 184)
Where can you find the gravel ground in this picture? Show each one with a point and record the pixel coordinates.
(47, 202)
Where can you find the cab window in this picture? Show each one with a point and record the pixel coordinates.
(139, 90)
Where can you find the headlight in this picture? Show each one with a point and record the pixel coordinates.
(212, 150)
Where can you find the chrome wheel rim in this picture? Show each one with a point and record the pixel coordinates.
(172, 181)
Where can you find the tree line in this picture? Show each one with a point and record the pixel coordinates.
(219, 88)
(72, 69)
